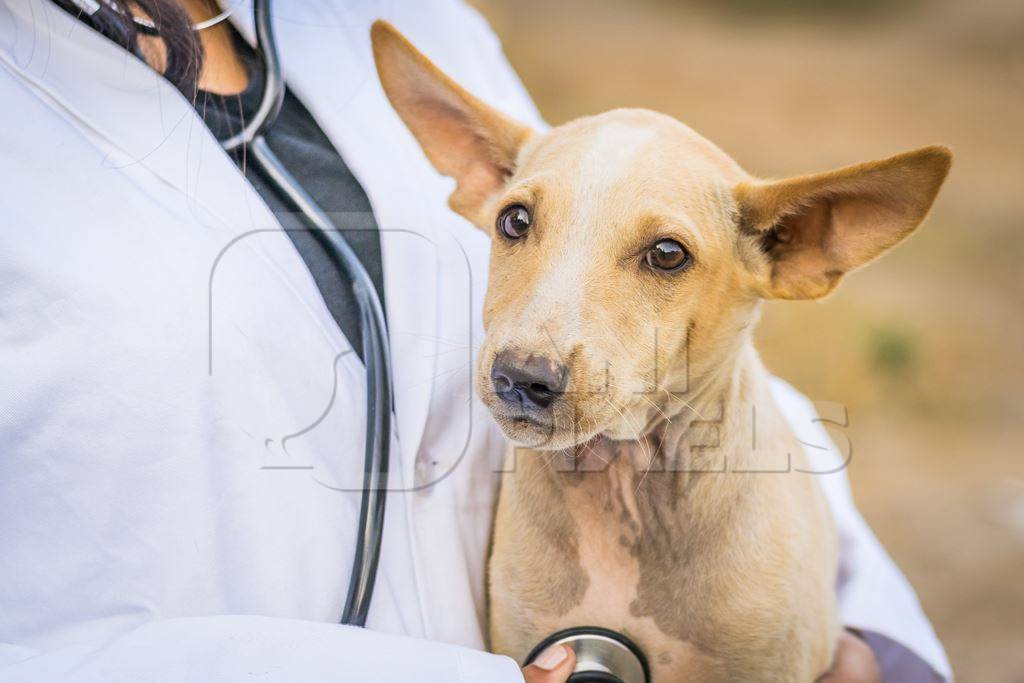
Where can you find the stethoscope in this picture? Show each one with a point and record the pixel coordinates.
(370, 531)
(602, 655)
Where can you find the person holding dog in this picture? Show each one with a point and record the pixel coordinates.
(182, 387)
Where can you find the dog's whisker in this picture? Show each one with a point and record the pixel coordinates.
(673, 396)
(640, 442)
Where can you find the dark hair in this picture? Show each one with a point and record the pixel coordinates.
(172, 24)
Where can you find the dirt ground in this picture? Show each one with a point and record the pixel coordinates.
(925, 346)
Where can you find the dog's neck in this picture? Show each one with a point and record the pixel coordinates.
(725, 424)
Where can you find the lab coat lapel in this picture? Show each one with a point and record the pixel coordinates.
(140, 119)
(337, 82)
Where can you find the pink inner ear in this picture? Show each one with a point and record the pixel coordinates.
(469, 145)
(832, 223)
(454, 144)
(462, 136)
(865, 226)
(458, 150)
(481, 180)
(806, 258)
(835, 234)
(454, 135)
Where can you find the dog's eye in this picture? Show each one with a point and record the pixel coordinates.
(667, 255)
(514, 221)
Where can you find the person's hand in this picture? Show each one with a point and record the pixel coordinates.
(854, 663)
(553, 665)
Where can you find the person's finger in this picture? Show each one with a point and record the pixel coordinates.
(854, 662)
(553, 665)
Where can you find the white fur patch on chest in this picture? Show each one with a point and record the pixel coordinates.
(610, 520)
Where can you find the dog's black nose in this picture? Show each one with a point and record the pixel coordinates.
(527, 380)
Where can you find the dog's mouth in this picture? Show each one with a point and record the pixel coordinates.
(523, 419)
(545, 431)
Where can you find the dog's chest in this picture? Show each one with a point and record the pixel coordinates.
(714, 577)
(634, 551)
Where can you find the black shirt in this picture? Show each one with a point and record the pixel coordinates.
(309, 156)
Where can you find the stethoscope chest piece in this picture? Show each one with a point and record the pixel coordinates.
(602, 655)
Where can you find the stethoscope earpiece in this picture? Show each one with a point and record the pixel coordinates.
(602, 655)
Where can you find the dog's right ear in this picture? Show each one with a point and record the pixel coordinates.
(463, 137)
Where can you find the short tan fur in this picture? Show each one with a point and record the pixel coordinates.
(638, 499)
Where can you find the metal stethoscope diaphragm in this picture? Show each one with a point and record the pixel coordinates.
(602, 655)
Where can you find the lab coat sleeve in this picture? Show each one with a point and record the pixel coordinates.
(875, 598)
(228, 648)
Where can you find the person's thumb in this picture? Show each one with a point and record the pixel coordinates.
(553, 665)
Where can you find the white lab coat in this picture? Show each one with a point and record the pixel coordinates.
(180, 415)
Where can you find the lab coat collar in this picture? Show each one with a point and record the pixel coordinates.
(141, 119)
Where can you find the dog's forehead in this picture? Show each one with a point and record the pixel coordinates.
(628, 150)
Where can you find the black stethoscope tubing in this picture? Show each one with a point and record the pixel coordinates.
(370, 531)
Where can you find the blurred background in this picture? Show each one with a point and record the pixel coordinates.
(926, 346)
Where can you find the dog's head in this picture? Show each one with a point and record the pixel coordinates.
(629, 253)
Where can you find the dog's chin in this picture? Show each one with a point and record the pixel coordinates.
(540, 433)
(621, 431)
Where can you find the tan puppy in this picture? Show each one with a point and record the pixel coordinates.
(629, 259)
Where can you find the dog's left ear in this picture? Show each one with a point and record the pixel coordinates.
(816, 228)
(463, 137)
